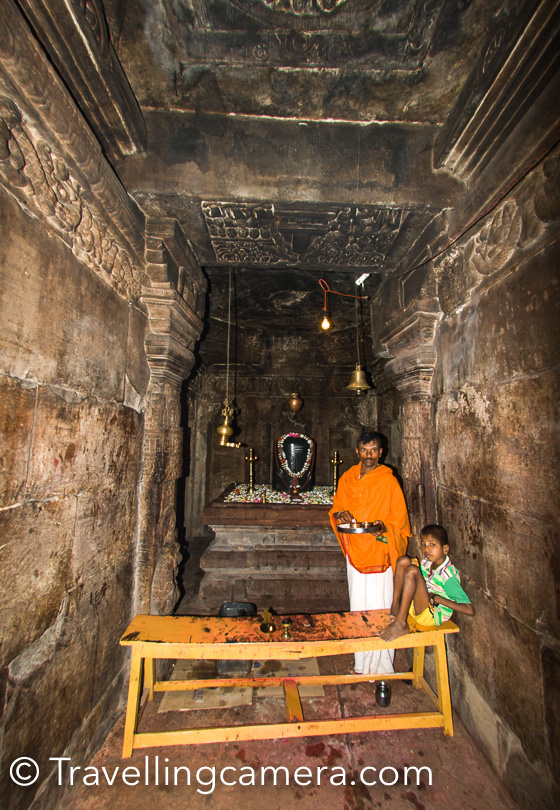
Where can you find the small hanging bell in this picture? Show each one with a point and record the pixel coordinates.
(358, 382)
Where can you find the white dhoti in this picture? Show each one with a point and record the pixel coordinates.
(371, 592)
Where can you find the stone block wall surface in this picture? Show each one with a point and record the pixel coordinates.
(496, 433)
(478, 431)
(70, 455)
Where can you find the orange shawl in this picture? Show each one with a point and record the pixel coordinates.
(376, 496)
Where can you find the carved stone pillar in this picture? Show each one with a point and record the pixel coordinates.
(409, 340)
(174, 302)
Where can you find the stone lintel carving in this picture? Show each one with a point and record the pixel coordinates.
(174, 301)
(51, 163)
(259, 233)
(174, 329)
(412, 371)
(512, 71)
(410, 331)
(212, 384)
(408, 340)
(75, 35)
(171, 261)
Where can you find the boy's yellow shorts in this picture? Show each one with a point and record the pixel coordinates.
(426, 618)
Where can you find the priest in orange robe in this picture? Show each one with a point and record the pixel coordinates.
(369, 491)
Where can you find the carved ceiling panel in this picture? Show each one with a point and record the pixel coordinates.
(262, 234)
(311, 32)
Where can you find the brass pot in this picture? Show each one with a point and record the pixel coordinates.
(295, 403)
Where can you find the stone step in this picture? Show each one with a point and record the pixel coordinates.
(304, 592)
(281, 559)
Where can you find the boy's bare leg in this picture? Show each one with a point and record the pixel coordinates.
(414, 591)
(400, 568)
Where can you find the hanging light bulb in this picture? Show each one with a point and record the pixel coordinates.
(326, 321)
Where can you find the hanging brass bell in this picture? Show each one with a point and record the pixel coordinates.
(358, 382)
(295, 403)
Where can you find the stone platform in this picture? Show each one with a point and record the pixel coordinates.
(279, 555)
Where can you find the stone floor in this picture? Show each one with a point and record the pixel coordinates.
(460, 775)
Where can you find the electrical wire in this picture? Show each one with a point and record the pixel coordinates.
(326, 289)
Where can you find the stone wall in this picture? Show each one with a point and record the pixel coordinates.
(100, 311)
(496, 440)
(470, 350)
(70, 360)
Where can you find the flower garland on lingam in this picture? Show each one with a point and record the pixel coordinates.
(295, 477)
(284, 461)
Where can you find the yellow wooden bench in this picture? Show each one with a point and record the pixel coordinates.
(312, 636)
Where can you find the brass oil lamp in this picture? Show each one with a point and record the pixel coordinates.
(225, 430)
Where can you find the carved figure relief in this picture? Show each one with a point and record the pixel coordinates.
(357, 237)
(309, 10)
(323, 32)
(496, 242)
(300, 7)
(92, 11)
(352, 236)
(547, 204)
(422, 27)
(33, 172)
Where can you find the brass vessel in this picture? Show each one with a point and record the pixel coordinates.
(295, 403)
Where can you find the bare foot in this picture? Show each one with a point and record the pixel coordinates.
(393, 612)
(394, 630)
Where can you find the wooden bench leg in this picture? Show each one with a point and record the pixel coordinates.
(418, 665)
(442, 674)
(149, 676)
(133, 703)
(293, 702)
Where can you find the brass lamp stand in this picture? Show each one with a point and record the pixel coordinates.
(335, 461)
(251, 458)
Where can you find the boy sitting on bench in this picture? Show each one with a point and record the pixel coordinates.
(430, 592)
